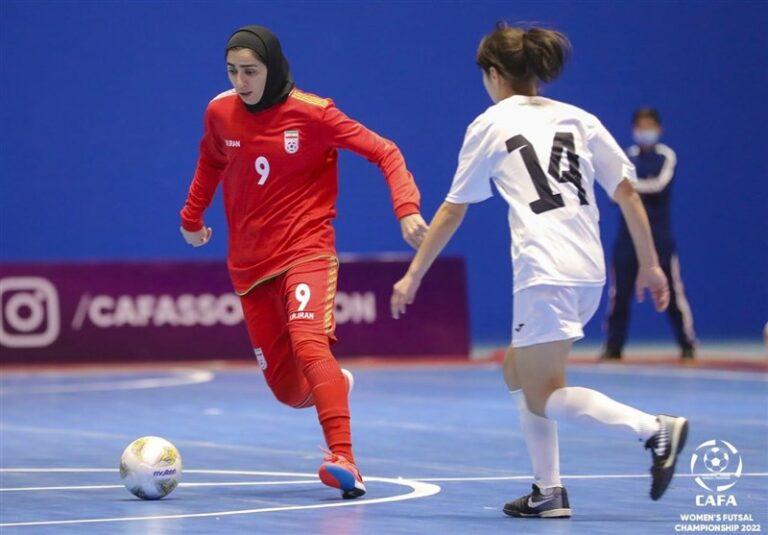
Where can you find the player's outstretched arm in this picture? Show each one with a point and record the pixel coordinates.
(348, 134)
(445, 223)
(650, 274)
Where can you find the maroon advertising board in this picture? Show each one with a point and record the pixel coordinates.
(156, 311)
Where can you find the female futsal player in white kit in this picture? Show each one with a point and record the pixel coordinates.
(544, 156)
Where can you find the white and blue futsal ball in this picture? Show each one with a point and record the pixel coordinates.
(150, 468)
(716, 459)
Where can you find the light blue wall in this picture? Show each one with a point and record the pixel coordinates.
(102, 102)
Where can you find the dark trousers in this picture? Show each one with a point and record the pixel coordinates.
(622, 290)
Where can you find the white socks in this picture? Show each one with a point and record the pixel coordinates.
(582, 404)
(578, 404)
(541, 438)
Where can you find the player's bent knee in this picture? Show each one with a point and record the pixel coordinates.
(510, 373)
(308, 346)
(308, 401)
(536, 397)
(314, 355)
(289, 386)
(294, 399)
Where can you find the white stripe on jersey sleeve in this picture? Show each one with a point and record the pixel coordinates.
(611, 163)
(472, 181)
(658, 183)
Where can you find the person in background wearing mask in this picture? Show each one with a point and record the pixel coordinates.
(655, 163)
(273, 148)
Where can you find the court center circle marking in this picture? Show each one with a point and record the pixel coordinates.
(314, 480)
(418, 490)
(176, 377)
(581, 476)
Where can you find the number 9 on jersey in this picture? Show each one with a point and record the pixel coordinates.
(262, 168)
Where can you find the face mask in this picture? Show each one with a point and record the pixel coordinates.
(646, 138)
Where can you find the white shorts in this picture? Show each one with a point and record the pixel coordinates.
(548, 313)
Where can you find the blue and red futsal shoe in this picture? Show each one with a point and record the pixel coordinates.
(339, 473)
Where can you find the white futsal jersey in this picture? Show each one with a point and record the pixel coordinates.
(544, 156)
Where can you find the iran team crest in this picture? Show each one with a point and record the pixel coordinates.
(291, 140)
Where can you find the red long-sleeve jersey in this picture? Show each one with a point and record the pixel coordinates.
(279, 175)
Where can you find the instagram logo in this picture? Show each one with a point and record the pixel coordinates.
(30, 312)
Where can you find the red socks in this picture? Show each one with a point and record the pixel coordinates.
(329, 390)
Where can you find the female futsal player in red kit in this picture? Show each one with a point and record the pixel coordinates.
(273, 148)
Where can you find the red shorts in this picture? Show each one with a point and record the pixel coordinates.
(283, 310)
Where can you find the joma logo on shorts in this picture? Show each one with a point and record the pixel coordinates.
(302, 316)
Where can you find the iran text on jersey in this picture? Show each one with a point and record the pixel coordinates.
(279, 175)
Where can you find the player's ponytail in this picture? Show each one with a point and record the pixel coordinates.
(524, 57)
(546, 52)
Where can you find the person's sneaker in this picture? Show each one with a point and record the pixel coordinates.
(350, 380)
(665, 447)
(339, 473)
(537, 505)
(687, 353)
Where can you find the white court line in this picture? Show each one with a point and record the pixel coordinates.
(591, 476)
(181, 378)
(299, 474)
(128, 438)
(418, 490)
(115, 470)
(182, 443)
(222, 484)
(666, 372)
(311, 481)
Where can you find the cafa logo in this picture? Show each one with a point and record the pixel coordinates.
(716, 466)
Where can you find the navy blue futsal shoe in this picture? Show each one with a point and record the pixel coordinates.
(665, 447)
(538, 505)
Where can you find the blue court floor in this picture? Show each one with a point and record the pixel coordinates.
(439, 447)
